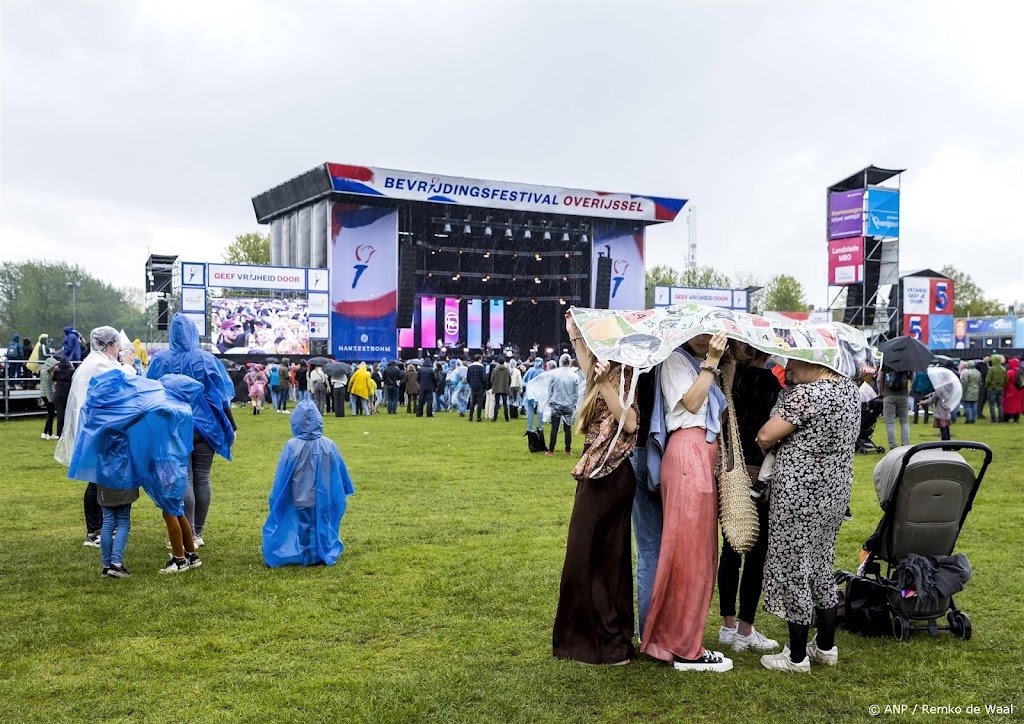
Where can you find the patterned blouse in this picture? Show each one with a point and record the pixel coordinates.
(599, 434)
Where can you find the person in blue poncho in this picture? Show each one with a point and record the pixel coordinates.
(308, 498)
(214, 423)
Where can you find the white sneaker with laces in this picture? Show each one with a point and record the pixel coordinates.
(782, 662)
(829, 657)
(726, 635)
(198, 542)
(756, 641)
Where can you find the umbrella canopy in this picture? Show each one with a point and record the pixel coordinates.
(905, 354)
(336, 369)
(272, 360)
(319, 361)
(947, 386)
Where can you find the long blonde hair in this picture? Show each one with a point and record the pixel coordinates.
(586, 413)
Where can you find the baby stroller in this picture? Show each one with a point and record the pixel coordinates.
(926, 492)
(869, 414)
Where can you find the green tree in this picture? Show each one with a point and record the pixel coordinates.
(784, 294)
(248, 249)
(969, 299)
(35, 299)
(703, 277)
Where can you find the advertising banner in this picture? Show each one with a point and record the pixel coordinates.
(193, 299)
(628, 276)
(883, 212)
(193, 274)
(388, 183)
(846, 214)
(451, 321)
(725, 298)
(474, 324)
(916, 295)
(846, 261)
(319, 327)
(916, 326)
(645, 338)
(242, 276)
(960, 334)
(941, 297)
(364, 281)
(989, 326)
(940, 331)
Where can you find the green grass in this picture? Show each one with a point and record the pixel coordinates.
(441, 606)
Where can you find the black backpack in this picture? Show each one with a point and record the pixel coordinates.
(535, 441)
(896, 381)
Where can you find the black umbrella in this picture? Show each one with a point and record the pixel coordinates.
(271, 360)
(319, 361)
(905, 354)
(336, 369)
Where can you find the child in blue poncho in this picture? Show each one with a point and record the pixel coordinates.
(308, 498)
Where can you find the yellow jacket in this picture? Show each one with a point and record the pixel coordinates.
(37, 357)
(141, 353)
(360, 383)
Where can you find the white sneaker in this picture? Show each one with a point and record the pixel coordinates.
(829, 657)
(782, 662)
(44, 436)
(197, 542)
(287, 412)
(726, 635)
(708, 661)
(756, 641)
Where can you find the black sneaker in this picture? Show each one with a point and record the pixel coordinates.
(848, 515)
(193, 560)
(175, 565)
(758, 489)
(92, 540)
(708, 661)
(117, 572)
(104, 571)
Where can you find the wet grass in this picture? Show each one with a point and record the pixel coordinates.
(439, 609)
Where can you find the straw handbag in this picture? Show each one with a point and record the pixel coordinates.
(736, 509)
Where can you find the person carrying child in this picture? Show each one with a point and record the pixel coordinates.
(309, 496)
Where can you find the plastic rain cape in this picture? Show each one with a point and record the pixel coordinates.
(645, 338)
(309, 496)
(136, 432)
(186, 358)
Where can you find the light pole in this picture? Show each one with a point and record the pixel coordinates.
(74, 309)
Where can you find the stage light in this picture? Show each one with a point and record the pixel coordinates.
(547, 236)
(513, 278)
(433, 252)
(584, 239)
(565, 279)
(561, 301)
(430, 274)
(511, 301)
(447, 228)
(536, 280)
(566, 255)
(487, 255)
(534, 301)
(527, 234)
(508, 233)
(549, 350)
(487, 278)
(537, 257)
(565, 236)
(488, 232)
(467, 229)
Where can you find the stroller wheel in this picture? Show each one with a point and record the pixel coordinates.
(901, 628)
(959, 625)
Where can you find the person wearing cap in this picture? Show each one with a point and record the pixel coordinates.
(230, 329)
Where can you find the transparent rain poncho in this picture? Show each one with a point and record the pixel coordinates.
(308, 498)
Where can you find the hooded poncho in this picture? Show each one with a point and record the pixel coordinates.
(309, 496)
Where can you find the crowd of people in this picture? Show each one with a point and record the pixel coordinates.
(260, 326)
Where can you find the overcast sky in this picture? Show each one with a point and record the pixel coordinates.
(130, 127)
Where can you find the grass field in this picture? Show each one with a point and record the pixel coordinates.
(440, 609)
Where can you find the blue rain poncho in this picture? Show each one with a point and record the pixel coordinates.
(137, 432)
(186, 358)
(309, 496)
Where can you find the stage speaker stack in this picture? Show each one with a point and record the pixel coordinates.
(161, 315)
(406, 285)
(603, 286)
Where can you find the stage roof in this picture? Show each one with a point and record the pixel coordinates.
(870, 176)
(382, 183)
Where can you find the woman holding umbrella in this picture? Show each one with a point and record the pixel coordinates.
(945, 398)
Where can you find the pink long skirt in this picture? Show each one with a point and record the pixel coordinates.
(688, 562)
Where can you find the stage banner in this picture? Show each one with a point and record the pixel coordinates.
(846, 261)
(646, 338)
(916, 326)
(451, 321)
(406, 338)
(244, 276)
(627, 252)
(883, 212)
(941, 297)
(364, 281)
(960, 334)
(388, 183)
(846, 214)
(428, 323)
(497, 324)
(992, 326)
(940, 331)
(916, 295)
(474, 324)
